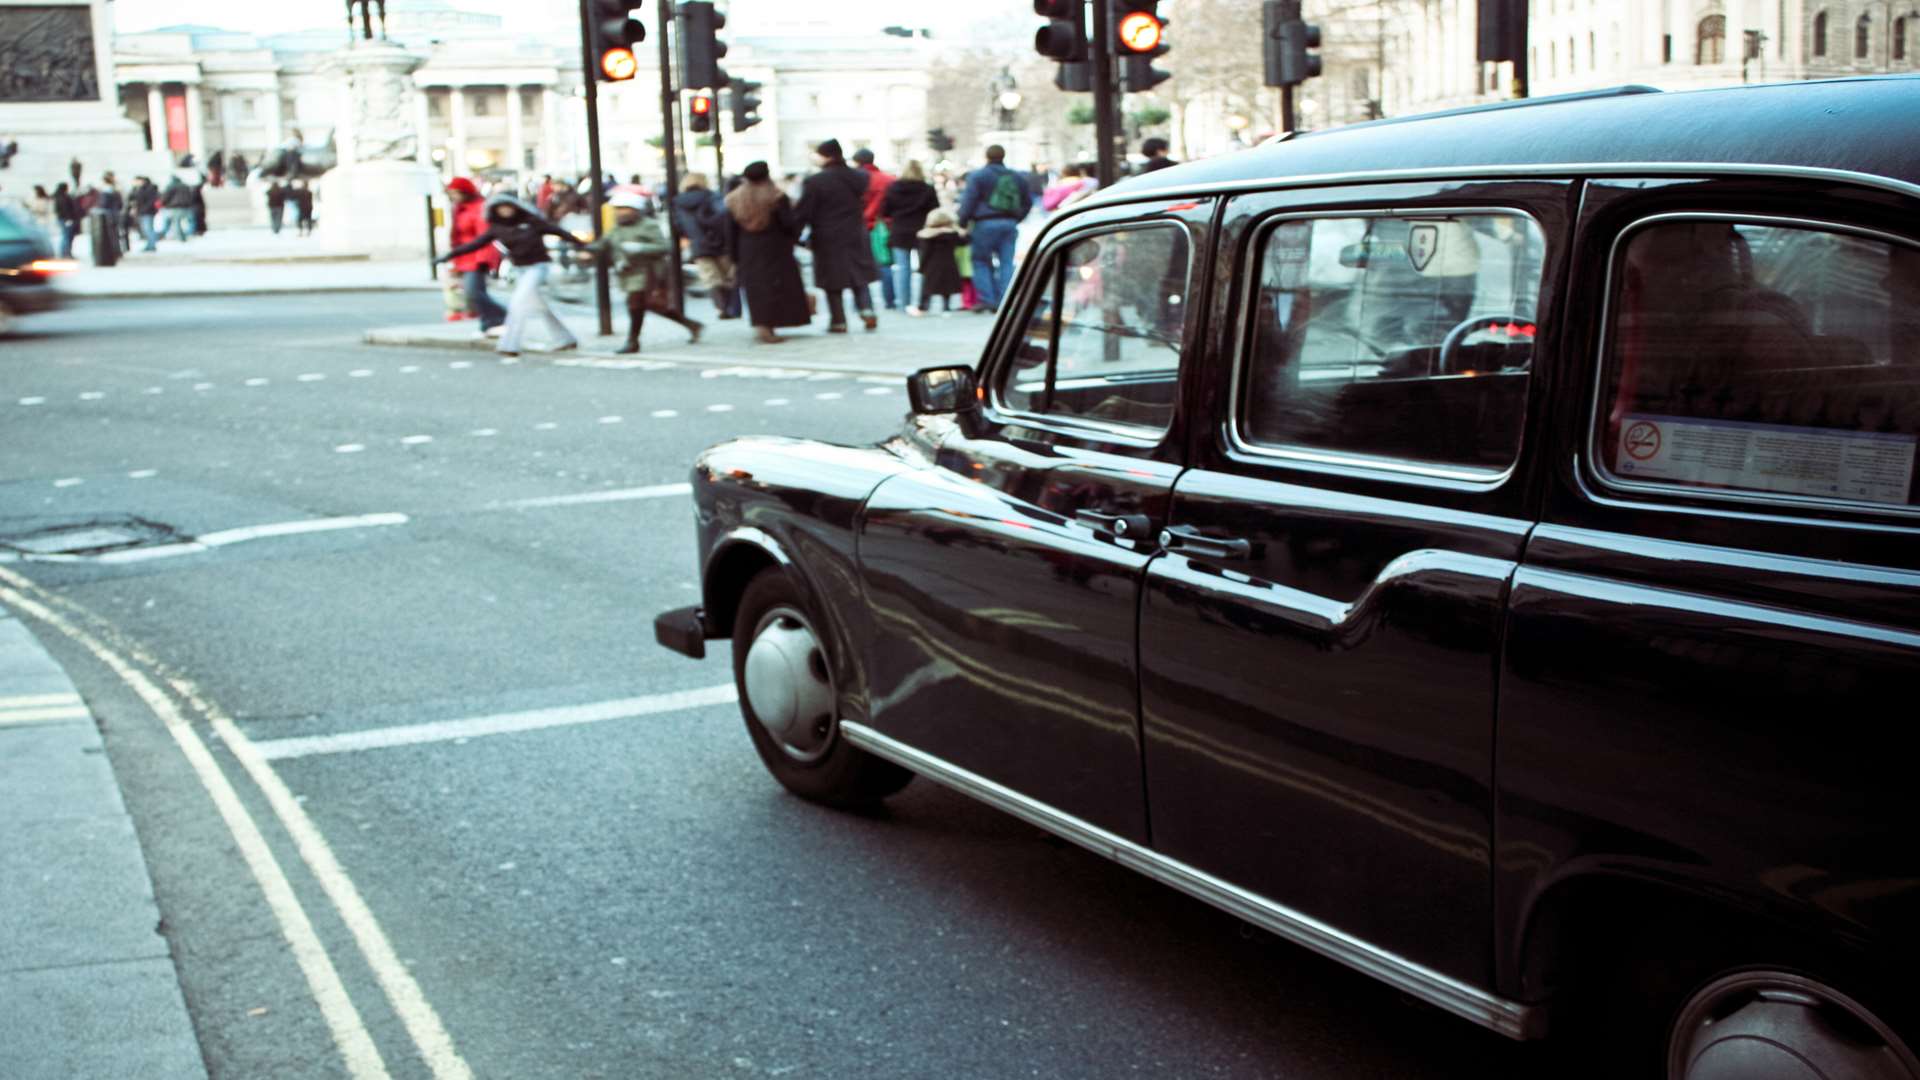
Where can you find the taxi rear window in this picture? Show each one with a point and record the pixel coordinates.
(1764, 357)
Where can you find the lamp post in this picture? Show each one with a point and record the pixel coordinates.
(1006, 98)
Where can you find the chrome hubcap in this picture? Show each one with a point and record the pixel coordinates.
(788, 685)
(1780, 1025)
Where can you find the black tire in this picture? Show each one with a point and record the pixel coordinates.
(824, 767)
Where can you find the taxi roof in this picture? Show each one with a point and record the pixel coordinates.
(1869, 125)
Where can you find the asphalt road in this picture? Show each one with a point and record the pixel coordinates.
(581, 896)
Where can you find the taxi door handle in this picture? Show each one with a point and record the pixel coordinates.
(1124, 526)
(1187, 540)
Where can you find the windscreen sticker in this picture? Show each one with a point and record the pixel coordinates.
(1868, 466)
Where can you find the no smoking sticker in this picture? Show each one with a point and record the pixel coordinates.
(1641, 440)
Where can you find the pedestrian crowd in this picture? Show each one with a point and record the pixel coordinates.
(856, 224)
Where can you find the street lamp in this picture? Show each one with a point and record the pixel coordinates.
(1238, 125)
(1006, 97)
(1010, 100)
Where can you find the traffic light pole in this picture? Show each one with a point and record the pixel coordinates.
(589, 63)
(669, 117)
(1105, 100)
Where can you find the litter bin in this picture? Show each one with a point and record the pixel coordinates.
(103, 237)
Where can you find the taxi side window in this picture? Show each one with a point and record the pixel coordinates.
(1761, 357)
(1399, 337)
(1103, 343)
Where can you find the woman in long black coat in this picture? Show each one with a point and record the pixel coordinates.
(832, 205)
(763, 234)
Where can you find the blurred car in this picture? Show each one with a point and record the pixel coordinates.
(27, 268)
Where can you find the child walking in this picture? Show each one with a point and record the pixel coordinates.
(638, 247)
(940, 276)
(521, 230)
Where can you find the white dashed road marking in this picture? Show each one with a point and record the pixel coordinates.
(92, 395)
(612, 419)
(658, 491)
(545, 426)
(256, 382)
(831, 395)
(409, 369)
(665, 414)
(484, 433)
(499, 724)
(349, 448)
(143, 474)
(777, 401)
(68, 481)
(416, 440)
(359, 373)
(312, 376)
(719, 408)
(33, 401)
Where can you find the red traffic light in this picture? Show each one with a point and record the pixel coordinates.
(702, 105)
(618, 65)
(1140, 31)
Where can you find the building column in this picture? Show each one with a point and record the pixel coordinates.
(422, 126)
(196, 125)
(457, 115)
(157, 117)
(516, 134)
(549, 131)
(276, 133)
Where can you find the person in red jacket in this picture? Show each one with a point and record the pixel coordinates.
(469, 221)
(877, 184)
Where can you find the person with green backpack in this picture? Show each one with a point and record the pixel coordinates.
(995, 200)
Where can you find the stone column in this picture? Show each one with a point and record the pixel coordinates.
(549, 131)
(516, 137)
(423, 126)
(276, 131)
(157, 116)
(196, 127)
(457, 117)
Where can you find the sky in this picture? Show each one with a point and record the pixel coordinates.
(252, 16)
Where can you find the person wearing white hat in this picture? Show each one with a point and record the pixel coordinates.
(638, 249)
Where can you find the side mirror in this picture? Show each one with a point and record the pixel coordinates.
(943, 390)
(1356, 256)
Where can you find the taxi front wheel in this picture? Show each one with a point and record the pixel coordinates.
(1777, 1024)
(792, 705)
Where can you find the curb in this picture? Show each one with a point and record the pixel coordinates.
(653, 362)
(258, 291)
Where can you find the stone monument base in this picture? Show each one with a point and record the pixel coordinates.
(378, 208)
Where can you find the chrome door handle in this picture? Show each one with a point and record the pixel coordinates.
(1124, 526)
(1187, 540)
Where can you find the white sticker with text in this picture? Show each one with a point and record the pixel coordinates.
(1864, 465)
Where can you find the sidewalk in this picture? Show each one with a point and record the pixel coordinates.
(88, 983)
(241, 261)
(902, 344)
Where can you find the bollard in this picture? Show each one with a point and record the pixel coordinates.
(103, 238)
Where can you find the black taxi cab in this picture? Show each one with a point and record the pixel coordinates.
(1482, 548)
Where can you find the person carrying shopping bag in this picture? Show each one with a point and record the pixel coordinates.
(521, 230)
(638, 248)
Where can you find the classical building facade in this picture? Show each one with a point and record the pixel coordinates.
(1398, 57)
(500, 103)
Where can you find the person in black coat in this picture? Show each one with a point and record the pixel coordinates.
(702, 218)
(66, 211)
(276, 205)
(764, 228)
(940, 242)
(832, 205)
(905, 208)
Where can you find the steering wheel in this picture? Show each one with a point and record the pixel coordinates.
(1516, 326)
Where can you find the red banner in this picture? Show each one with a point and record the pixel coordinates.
(177, 123)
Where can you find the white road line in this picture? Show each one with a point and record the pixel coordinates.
(612, 419)
(156, 389)
(720, 408)
(30, 701)
(234, 536)
(659, 491)
(484, 433)
(257, 382)
(877, 390)
(545, 426)
(312, 376)
(203, 386)
(68, 481)
(831, 395)
(409, 369)
(499, 724)
(665, 414)
(38, 716)
(349, 1030)
(349, 448)
(777, 401)
(33, 401)
(92, 395)
(461, 365)
(143, 474)
(359, 373)
(416, 440)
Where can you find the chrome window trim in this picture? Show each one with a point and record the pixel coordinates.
(1244, 449)
(1654, 170)
(1135, 434)
(1510, 1018)
(1591, 452)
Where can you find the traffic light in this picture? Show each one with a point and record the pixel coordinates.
(614, 34)
(1288, 43)
(701, 113)
(700, 49)
(743, 101)
(1141, 36)
(939, 141)
(1064, 39)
